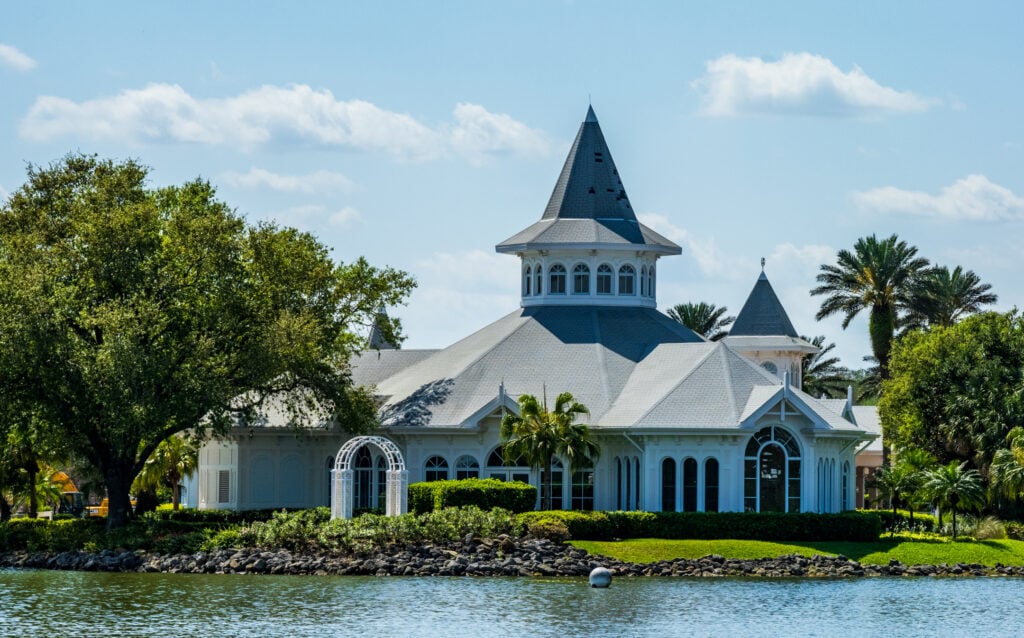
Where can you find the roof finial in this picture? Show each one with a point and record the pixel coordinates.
(762, 264)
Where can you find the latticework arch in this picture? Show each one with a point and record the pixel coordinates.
(342, 477)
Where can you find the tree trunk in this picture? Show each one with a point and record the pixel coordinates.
(118, 480)
(175, 495)
(33, 498)
(954, 523)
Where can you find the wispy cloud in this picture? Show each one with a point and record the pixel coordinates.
(15, 59)
(289, 115)
(973, 198)
(317, 182)
(704, 251)
(315, 217)
(797, 84)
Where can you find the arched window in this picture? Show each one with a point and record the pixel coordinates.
(711, 485)
(362, 479)
(771, 472)
(629, 484)
(514, 470)
(770, 367)
(690, 485)
(618, 484)
(650, 281)
(581, 279)
(643, 281)
(556, 484)
(668, 485)
(527, 281)
(636, 483)
(604, 279)
(846, 486)
(330, 478)
(556, 280)
(466, 467)
(538, 279)
(436, 469)
(627, 279)
(380, 494)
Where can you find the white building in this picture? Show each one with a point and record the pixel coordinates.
(683, 424)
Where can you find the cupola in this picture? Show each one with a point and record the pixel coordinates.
(588, 247)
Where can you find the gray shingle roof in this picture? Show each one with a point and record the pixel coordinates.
(763, 314)
(589, 203)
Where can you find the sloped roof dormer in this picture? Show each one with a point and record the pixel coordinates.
(589, 208)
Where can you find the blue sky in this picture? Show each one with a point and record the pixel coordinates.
(422, 134)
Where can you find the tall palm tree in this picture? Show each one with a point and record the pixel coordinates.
(822, 375)
(954, 487)
(539, 435)
(705, 319)
(175, 458)
(945, 296)
(880, 276)
(915, 461)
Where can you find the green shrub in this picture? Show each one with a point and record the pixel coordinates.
(769, 526)
(549, 528)
(42, 535)
(1014, 530)
(224, 539)
(902, 522)
(482, 493)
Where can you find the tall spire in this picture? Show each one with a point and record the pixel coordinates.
(377, 340)
(762, 315)
(589, 186)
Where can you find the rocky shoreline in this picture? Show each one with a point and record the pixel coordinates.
(502, 556)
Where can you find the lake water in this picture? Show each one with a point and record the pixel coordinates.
(45, 603)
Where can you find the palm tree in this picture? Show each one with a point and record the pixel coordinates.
(895, 482)
(539, 435)
(705, 319)
(944, 297)
(917, 462)
(954, 487)
(822, 375)
(880, 276)
(1006, 474)
(175, 458)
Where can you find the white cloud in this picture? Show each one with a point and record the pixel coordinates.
(317, 182)
(973, 198)
(346, 217)
(277, 115)
(704, 251)
(15, 59)
(314, 217)
(797, 84)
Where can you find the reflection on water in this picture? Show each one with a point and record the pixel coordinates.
(42, 603)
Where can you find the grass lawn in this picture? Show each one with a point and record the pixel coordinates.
(907, 550)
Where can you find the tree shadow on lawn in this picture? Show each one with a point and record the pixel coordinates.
(855, 550)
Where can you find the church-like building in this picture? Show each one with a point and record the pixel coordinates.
(683, 424)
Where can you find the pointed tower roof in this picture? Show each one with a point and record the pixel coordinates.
(763, 315)
(589, 207)
(377, 341)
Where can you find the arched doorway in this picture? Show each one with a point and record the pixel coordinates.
(397, 478)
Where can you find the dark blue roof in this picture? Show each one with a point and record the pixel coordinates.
(762, 315)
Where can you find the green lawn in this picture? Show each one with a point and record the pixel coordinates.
(910, 551)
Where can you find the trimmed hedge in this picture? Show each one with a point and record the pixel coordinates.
(483, 493)
(766, 526)
(42, 535)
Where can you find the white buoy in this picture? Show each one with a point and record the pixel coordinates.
(600, 577)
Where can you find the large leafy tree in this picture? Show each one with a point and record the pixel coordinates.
(822, 375)
(943, 297)
(539, 435)
(129, 314)
(879, 276)
(706, 319)
(956, 392)
(954, 487)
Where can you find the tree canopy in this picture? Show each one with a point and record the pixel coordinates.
(821, 374)
(538, 435)
(129, 314)
(956, 392)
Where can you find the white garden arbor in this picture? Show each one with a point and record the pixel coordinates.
(342, 477)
